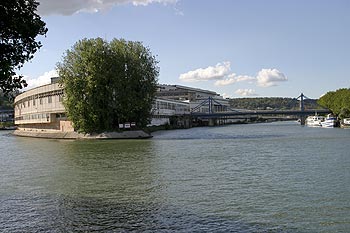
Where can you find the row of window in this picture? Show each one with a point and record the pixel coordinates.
(186, 94)
(60, 116)
(174, 93)
(39, 101)
(160, 117)
(216, 109)
(34, 117)
(171, 106)
(41, 95)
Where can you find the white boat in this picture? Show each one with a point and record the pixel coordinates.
(330, 121)
(345, 123)
(314, 121)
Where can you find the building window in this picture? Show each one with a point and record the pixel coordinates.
(28, 103)
(60, 98)
(33, 102)
(41, 100)
(49, 100)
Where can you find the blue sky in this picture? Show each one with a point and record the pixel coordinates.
(234, 47)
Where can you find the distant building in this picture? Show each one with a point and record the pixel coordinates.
(218, 104)
(196, 97)
(183, 93)
(6, 115)
(163, 109)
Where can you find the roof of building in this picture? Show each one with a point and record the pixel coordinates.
(189, 88)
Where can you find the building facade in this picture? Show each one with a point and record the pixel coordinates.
(163, 109)
(41, 109)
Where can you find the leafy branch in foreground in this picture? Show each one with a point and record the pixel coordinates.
(19, 26)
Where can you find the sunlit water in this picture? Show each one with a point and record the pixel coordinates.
(278, 177)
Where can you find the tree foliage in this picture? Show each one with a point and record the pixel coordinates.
(108, 83)
(6, 101)
(19, 26)
(337, 101)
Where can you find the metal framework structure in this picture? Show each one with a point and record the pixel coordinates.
(211, 102)
(302, 112)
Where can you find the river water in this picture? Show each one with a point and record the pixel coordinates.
(277, 177)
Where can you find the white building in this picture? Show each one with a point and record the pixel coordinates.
(41, 109)
(163, 109)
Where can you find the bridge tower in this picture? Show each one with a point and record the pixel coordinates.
(302, 109)
(212, 121)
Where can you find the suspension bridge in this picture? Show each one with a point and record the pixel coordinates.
(219, 112)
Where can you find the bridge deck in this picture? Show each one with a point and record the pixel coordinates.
(260, 112)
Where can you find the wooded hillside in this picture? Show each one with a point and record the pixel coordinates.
(264, 103)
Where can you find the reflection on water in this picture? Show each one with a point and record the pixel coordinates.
(242, 178)
(104, 215)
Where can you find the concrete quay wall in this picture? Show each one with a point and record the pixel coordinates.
(138, 134)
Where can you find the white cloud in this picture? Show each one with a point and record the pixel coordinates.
(265, 78)
(233, 78)
(41, 80)
(146, 2)
(270, 77)
(222, 75)
(246, 92)
(69, 7)
(219, 71)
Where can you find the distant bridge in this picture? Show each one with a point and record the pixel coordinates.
(260, 113)
(242, 113)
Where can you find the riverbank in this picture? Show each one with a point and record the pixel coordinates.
(7, 126)
(134, 134)
(137, 134)
(152, 129)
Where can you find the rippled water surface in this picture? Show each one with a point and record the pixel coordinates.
(278, 177)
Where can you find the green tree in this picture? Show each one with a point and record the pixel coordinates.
(137, 73)
(83, 73)
(337, 101)
(6, 101)
(327, 100)
(108, 83)
(19, 26)
(344, 113)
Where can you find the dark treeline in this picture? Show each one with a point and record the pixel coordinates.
(265, 103)
(6, 101)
